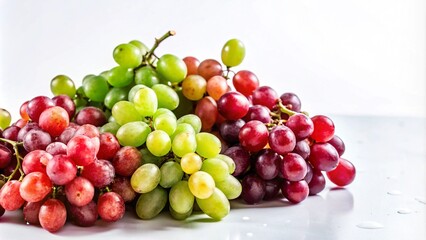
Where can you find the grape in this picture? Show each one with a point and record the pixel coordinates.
(158, 143)
(201, 184)
(115, 95)
(84, 216)
(52, 215)
(96, 88)
(166, 123)
(309, 173)
(127, 160)
(208, 145)
(217, 168)
(81, 150)
(282, 139)
(209, 68)
(167, 97)
(302, 148)
(90, 131)
(10, 199)
(119, 76)
(79, 191)
(230, 129)
(66, 103)
(291, 101)
(179, 216)
(127, 55)
(254, 189)
(338, 144)
(54, 120)
(149, 158)
(185, 105)
(296, 191)
(181, 198)
(228, 161)
(216, 206)
(62, 84)
(184, 143)
(183, 127)
(192, 119)
(125, 112)
(206, 110)
(108, 147)
(233, 105)
(24, 130)
(272, 189)
(343, 174)
(171, 173)
(241, 158)
(35, 186)
(253, 136)
(122, 186)
(258, 112)
(267, 164)
(216, 87)
(163, 111)
(194, 87)
(150, 204)
(323, 128)
(142, 47)
(22, 111)
(37, 105)
(301, 125)
(36, 139)
(317, 183)
(233, 53)
(12, 132)
(231, 187)
(245, 82)
(145, 178)
(133, 134)
(31, 211)
(61, 169)
(293, 167)
(171, 68)
(5, 156)
(265, 96)
(36, 161)
(147, 76)
(191, 163)
(100, 173)
(134, 90)
(146, 102)
(192, 64)
(323, 157)
(111, 127)
(5, 118)
(111, 207)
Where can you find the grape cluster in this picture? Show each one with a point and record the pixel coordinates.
(162, 132)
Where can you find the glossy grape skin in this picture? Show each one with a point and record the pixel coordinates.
(110, 127)
(317, 183)
(66, 103)
(31, 211)
(216, 87)
(303, 149)
(272, 189)
(79, 191)
(233, 105)
(36, 139)
(52, 215)
(301, 125)
(343, 174)
(122, 186)
(100, 173)
(208, 145)
(146, 102)
(193, 120)
(115, 95)
(241, 158)
(209, 68)
(216, 206)
(194, 87)
(192, 64)
(201, 184)
(233, 53)
(119, 76)
(150, 204)
(254, 189)
(127, 55)
(96, 88)
(91, 115)
(265, 96)
(35, 186)
(5, 118)
(338, 144)
(35, 161)
(181, 198)
(22, 111)
(61, 169)
(84, 216)
(258, 112)
(142, 47)
(37, 105)
(81, 150)
(171, 68)
(309, 173)
(245, 82)
(24, 130)
(147, 76)
(133, 133)
(253, 136)
(108, 147)
(217, 168)
(5, 156)
(267, 164)
(134, 90)
(323, 128)
(296, 191)
(171, 173)
(206, 110)
(323, 157)
(158, 143)
(111, 207)
(146, 178)
(62, 84)
(166, 96)
(124, 112)
(291, 101)
(54, 120)
(282, 139)
(11, 133)
(10, 198)
(184, 143)
(166, 123)
(293, 167)
(231, 187)
(230, 129)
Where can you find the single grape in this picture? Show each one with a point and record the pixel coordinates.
(111, 207)
(81, 150)
(184, 143)
(343, 174)
(272, 189)
(216, 87)
(158, 143)
(66, 103)
(233, 105)
(180, 197)
(282, 139)
(338, 144)
(317, 183)
(229, 161)
(303, 149)
(54, 120)
(291, 101)
(96, 88)
(108, 147)
(150, 204)
(147, 76)
(230, 129)
(52, 215)
(194, 87)
(258, 112)
(323, 157)
(323, 128)
(208, 145)
(166, 123)
(267, 164)
(209, 68)
(142, 47)
(301, 125)
(127, 160)
(100, 173)
(35, 186)
(146, 178)
(36, 161)
(36, 139)
(119, 76)
(146, 102)
(31, 211)
(115, 95)
(265, 96)
(111, 127)
(254, 189)
(245, 82)
(171, 68)
(192, 64)
(166, 96)
(23, 111)
(127, 55)
(206, 110)
(296, 191)
(241, 158)
(5, 118)
(133, 133)
(253, 136)
(10, 198)
(125, 112)
(24, 130)
(191, 163)
(233, 53)
(79, 191)
(62, 84)
(216, 206)
(193, 120)
(201, 184)
(122, 186)
(5, 156)
(37, 105)
(293, 167)
(61, 169)
(217, 168)
(231, 187)
(84, 216)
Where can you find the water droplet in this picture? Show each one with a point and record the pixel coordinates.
(420, 200)
(370, 225)
(249, 234)
(265, 225)
(245, 218)
(394, 192)
(404, 211)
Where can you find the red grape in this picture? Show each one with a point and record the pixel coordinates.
(122, 186)
(301, 125)
(192, 64)
(266, 164)
(209, 68)
(10, 199)
(56, 148)
(108, 147)
(253, 136)
(127, 160)
(302, 148)
(54, 120)
(36, 139)
(317, 183)
(206, 110)
(24, 130)
(23, 111)
(241, 158)
(84, 216)
(282, 139)
(233, 105)
(111, 207)
(323, 157)
(36, 161)
(31, 211)
(79, 191)
(100, 173)
(323, 128)
(293, 167)
(5, 156)
(295, 192)
(91, 115)
(65, 102)
(216, 87)
(37, 105)
(258, 112)
(230, 129)
(245, 82)
(81, 150)
(338, 144)
(265, 96)
(343, 174)
(61, 169)
(35, 186)
(272, 189)
(52, 215)
(254, 189)
(291, 101)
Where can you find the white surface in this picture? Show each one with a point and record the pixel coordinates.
(341, 57)
(391, 176)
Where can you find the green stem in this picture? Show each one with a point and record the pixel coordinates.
(157, 43)
(285, 110)
(18, 158)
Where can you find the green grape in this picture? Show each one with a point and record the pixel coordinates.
(201, 184)
(233, 53)
(124, 112)
(231, 187)
(161, 111)
(191, 163)
(180, 197)
(171, 68)
(185, 106)
(127, 55)
(142, 47)
(134, 90)
(5, 118)
(96, 88)
(62, 84)
(179, 216)
(217, 168)
(95, 104)
(158, 143)
(88, 76)
(216, 206)
(148, 157)
(183, 127)
(194, 87)
(166, 123)
(150, 204)
(228, 161)
(145, 101)
(146, 76)
(184, 143)
(115, 95)
(192, 119)
(146, 178)
(133, 133)
(119, 76)
(171, 173)
(111, 127)
(208, 145)
(167, 97)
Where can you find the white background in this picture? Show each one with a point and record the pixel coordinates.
(352, 57)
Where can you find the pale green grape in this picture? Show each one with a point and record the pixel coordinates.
(127, 55)
(171, 68)
(111, 127)
(179, 216)
(124, 112)
(96, 88)
(171, 173)
(228, 161)
(148, 157)
(185, 107)
(192, 119)
(134, 90)
(161, 111)
(115, 95)
(145, 101)
(146, 178)
(201, 184)
(146, 76)
(5, 118)
(216, 206)
(217, 168)
(183, 127)
(119, 76)
(231, 187)
(150, 204)
(233, 53)
(166, 123)
(142, 47)
(62, 84)
(184, 143)
(167, 97)
(180, 197)
(191, 163)
(208, 145)
(133, 134)
(158, 143)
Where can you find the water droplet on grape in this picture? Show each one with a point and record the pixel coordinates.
(370, 225)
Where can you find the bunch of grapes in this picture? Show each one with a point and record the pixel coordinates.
(162, 132)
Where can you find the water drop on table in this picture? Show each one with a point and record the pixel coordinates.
(404, 211)
(245, 218)
(249, 234)
(370, 225)
(394, 192)
(420, 200)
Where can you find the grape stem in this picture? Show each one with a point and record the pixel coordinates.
(157, 43)
(284, 109)
(18, 158)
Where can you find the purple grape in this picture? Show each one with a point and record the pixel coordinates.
(91, 115)
(266, 164)
(26, 129)
(323, 157)
(317, 183)
(291, 101)
(254, 189)
(302, 148)
(258, 112)
(66, 103)
(301, 125)
(84, 216)
(293, 167)
(265, 96)
(338, 144)
(241, 158)
(36, 139)
(230, 129)
(272, 189)
(309, 172)
(295, 192)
